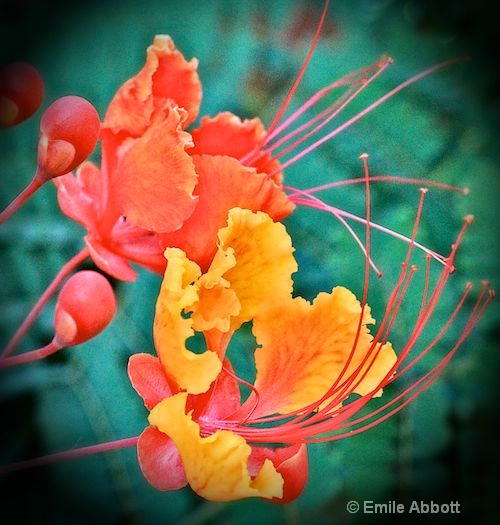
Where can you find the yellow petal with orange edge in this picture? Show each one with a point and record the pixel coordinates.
(264, 262)
(191, 372)
(306, 346)
(217, 303)
(216, 466)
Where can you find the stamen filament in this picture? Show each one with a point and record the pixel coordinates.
(330, 114)
(363, 113)
(385, 178)
(303, 68)
(342, 213)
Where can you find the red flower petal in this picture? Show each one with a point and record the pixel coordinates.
(224, 183)
(114, 265)
(148, 379)
(165, 76)
(155, 177)
(160, 461)
(227, 134)
(290, 462)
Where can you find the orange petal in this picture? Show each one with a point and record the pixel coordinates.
(155, 177)
(223, 184)
(216, 466)
(263, 261)
(215, 308)
(191, 372)
(227, 134)
(148, 379)
(166, 76)
(160, 461)
(290, 462)
(305, 347)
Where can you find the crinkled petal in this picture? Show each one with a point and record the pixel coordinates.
(227, 134)
(216, 466)
(290, 462)
(305, 346)
(224, 183)
(166, 76)
(148, 379)
(191, 372)
(263, 261)
(160, 461)
(109, 262)
(155, 177)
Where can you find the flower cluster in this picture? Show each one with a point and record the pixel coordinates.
(203, 206)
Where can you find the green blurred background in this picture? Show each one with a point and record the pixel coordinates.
(442, 447)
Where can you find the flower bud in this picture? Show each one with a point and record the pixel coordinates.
(85, 306)
(69, 131)
(21, 93)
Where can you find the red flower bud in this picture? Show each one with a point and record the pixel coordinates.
(85, 306)
(69, 131)
(21, 93)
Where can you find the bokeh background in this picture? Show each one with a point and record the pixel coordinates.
(441, 448)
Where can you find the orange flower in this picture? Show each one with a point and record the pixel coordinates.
(317, 365)
(156, 178)
(303, 347)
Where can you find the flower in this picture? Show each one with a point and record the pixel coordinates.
(163, 184)
(317, 365)
(156, 178)
(303, 346)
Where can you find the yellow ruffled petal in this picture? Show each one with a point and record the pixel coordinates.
(216, 466)
(191, 372)
(306, 346)
(264, 262)
(217, 302)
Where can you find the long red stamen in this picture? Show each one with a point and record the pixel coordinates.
(427, 379)
(382, 335)
(42, 301)
(315, 202)
(303, 68)
(325, 117)
(385, 178)
(306, 411)
(70, 454)
(337, 212)
(326, 420)
(363, 113)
